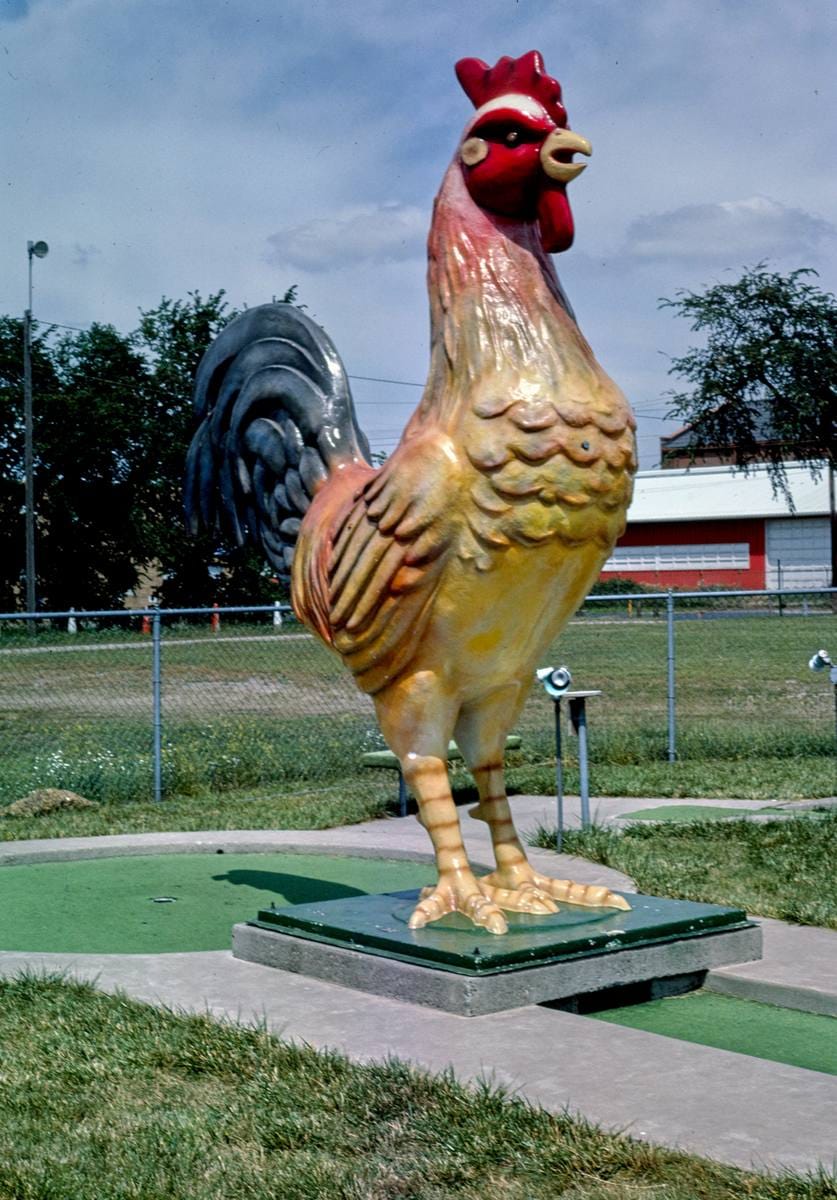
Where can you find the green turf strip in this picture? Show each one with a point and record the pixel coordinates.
(782, 1035)
(691, 812)
(107, 905)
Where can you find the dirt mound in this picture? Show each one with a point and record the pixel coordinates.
(46, 800)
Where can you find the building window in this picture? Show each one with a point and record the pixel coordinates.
(714, 556)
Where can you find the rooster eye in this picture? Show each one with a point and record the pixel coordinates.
(507, 133)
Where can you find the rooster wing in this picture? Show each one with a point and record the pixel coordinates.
(368, 587)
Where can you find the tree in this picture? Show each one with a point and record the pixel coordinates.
(12, 538)
(173, 338)
(769, 363)
(88, 388)
(113, 420)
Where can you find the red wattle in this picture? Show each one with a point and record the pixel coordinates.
(555, 217)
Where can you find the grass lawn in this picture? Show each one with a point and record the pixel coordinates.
(255, 709)
(760, 777)
(782, 868)
(257, 808)
(109, 1098)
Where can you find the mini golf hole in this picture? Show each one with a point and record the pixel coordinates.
(175, 903)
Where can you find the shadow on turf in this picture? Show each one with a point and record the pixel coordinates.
(294, 889)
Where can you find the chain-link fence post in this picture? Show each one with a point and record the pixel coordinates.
(156, 689)
(672, 744)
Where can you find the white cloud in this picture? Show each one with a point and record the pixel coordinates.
(380, 233)
(731, 231)
(177, 138)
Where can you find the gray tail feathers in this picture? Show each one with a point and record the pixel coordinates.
(276, 417)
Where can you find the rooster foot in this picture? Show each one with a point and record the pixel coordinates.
(522, 889)
(455, 893)
(518, 897)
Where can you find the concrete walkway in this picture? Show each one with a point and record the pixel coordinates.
(728, 1106)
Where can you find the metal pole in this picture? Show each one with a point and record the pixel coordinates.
(38, 250)
(156, 698)
(578, 715)
(672, 743)
(28, 458)
(832, 525)
(559, 778)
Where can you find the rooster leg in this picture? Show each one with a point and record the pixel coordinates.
(422, 752)
(515, 885)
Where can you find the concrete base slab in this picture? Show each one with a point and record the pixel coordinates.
(471, 995)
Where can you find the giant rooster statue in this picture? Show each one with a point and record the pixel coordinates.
(441, 577)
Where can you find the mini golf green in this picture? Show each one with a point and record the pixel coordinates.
(162, 903)
(693, 812)
(782, 1035)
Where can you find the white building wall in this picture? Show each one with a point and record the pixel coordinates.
(798, 548)
(710, 493)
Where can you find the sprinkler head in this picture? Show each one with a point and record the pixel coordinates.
(820, 661)
(556, 680)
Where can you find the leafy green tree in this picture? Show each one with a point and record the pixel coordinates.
(172, 338)
(113, 420)
(765, 380)
(89, 447)
(44, 382)
(86, 442)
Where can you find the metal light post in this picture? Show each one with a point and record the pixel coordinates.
(36, 250)
(822, 661)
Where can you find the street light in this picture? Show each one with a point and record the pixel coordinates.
(33, 250)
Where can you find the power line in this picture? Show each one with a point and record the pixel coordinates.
(375, 379)
(75, 328)
(385, 403)
(638, 409)
(364, 378)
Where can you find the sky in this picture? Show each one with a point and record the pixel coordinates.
(167, 146)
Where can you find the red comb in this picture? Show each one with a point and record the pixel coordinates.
(525, 75)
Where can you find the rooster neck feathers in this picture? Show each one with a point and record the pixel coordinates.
(547, 437)
(496, 305)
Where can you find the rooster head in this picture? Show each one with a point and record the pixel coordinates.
(516, 151)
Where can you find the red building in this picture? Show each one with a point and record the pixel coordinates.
(715, 526)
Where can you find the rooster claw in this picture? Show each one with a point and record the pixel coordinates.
(523, 889)
(449, 897)
(525, 899)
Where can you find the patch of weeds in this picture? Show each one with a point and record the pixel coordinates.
(781, 868)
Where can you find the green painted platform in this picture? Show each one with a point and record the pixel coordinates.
(378, 925)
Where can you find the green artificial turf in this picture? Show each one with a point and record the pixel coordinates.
(782, 1035)
(690, 812)
(108, 906)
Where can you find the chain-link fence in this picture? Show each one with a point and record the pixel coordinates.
(129, 706)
